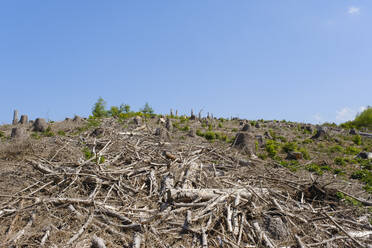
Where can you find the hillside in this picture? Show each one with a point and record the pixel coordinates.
(169, 181)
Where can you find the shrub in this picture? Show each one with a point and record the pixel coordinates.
(61, 133)
(364, 176)
(363, 119)
(351, 150)
(114, 111)
(282, 138)
(2, 134)
(307, 141)
(99, 108)
(336, 148)
(199, 133)
(262, 156)
(338, 171)
(272, 148)
(48, 132)
(87, 153)
(185, 128)
(209, 135)
(290, 147)
(339, 161)
(220, 125)
(305, 153)
(314, 168)
(357, 140)
(234, 129)
(292, 165)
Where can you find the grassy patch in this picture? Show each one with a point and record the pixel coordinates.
(340, 161)
(336, 148)
(364, 176)
(317, 169)
(292, 165)
(88, 154)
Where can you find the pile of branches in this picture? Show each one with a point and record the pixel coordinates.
(139, 189)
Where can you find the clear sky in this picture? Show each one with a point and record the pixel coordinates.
(307, 61)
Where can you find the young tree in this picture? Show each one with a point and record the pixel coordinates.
(124, 108)
(99, 108)
(147, 109)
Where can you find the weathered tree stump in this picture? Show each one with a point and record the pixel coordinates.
(18, 132)
(246, 127)
(321, 133)
(245, 142)
(137, 120)
(15, 117)
(77, 118)
(24, 119)
(40, 125)
(192, 116)
(168, 125)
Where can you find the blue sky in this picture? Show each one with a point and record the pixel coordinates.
(308, 61)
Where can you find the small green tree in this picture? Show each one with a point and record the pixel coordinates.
(124, 108)
(364, 119)
(114, 111)
(99, 108)
(147, 109)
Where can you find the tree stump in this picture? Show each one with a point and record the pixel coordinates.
(77, 118)
(245, 142)
(18, 132)
(246, 128)
(15, 117)
(168, 125)
(40, 125)
(24, 119)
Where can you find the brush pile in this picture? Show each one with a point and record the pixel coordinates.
(137, 189)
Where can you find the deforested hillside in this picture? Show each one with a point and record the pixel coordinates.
(147, 180)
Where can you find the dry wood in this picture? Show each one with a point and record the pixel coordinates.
(177, 193)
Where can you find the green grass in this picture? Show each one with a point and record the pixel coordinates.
(349, 200)
(61, 133)
(336, 148)
(364, 176)
(338, 171)
(292, 165)
(340, 161)
(317, 169)
(307, 141)
(88, 154)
